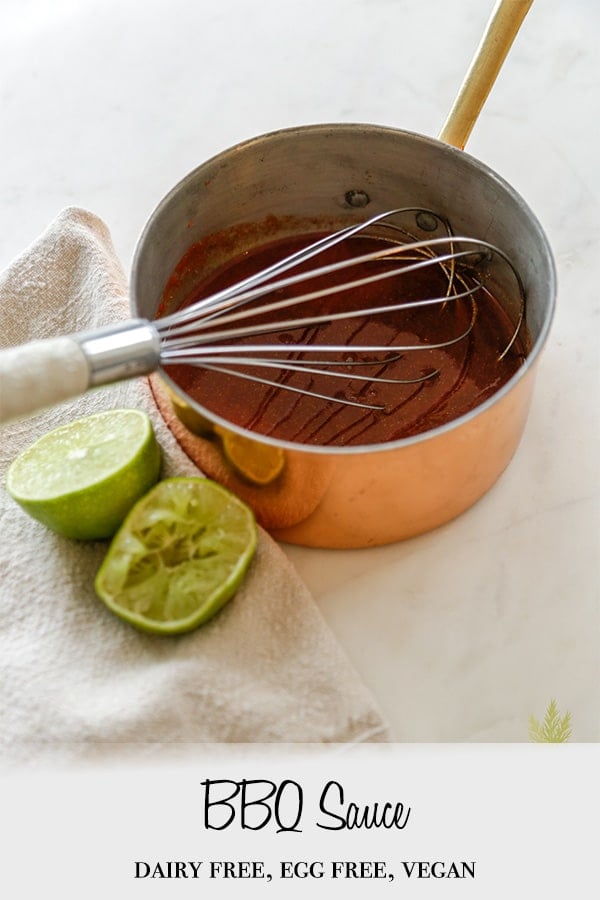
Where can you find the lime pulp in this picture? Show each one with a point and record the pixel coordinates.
(180, 555)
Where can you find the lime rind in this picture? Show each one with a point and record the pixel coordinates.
(180, 555)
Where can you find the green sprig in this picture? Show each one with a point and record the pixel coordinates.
(553, 730)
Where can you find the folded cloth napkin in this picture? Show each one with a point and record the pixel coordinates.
(75, 680)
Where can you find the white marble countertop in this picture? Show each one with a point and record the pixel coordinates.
(105, 104)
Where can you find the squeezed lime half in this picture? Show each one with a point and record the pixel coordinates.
(179, 556)
(82, 479)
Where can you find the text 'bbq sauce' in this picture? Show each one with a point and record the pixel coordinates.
(469, 370)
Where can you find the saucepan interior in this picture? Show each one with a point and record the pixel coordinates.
(333, 175)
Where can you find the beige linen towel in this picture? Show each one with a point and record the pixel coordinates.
(73, 676)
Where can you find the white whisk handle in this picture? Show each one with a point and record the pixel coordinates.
(43, 373)
(120, 351)
(40, 374)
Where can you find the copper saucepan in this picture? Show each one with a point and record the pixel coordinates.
(354, 496)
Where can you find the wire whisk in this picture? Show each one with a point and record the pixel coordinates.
(223, 331)
(208, 332)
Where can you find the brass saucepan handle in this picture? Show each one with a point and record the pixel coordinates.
(505, 21)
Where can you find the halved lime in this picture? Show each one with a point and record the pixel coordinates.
(258, 463)
(82, 479)
(179, 556)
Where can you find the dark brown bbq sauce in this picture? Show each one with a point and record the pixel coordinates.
(469, 371)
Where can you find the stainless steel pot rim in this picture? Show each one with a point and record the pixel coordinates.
(331, 449)
(352, 128)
